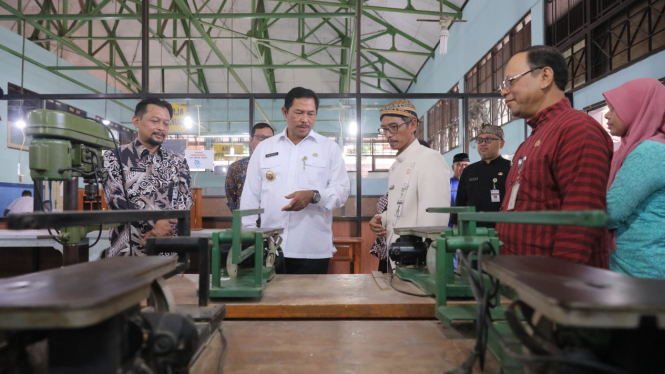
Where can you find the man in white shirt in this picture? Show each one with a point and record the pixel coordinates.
(419, 178)
(298, 177)
(23, 204)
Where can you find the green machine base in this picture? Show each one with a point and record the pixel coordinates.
(242, 285)
(427, 282)
(508, 365)
(239, 283)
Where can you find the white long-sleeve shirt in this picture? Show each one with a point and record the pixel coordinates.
(316, 163)
(421, 179)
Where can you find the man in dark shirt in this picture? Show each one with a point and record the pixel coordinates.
(483, 184)
(235, 178)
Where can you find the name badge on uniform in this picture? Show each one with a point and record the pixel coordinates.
(398, 211)
(174, 198)
(513, 196)
(272, 154)
(496, 196)
(140, 170)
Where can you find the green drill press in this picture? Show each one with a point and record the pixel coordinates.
(65, 147)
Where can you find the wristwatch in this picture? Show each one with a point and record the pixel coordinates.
(317, 197)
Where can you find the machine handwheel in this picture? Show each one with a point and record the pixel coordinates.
(160, 298)
(431, 260)
(231, 268)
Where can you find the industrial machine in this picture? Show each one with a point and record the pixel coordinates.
(424, 255)
(242, 260)
(88, 318)
(576, 318)
(65, 148)
(255, 244)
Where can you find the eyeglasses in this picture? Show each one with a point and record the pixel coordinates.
(262, 137)
(393, 128)
(509, 81)
(485, 140)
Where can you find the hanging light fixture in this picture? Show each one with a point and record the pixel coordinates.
(443, 35)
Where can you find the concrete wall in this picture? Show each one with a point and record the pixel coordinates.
(487, 22)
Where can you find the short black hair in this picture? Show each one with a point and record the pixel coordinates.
(260, 125)
(539, 56)
(142, 107)
(424, 143)
(300, 93)
(26, 193)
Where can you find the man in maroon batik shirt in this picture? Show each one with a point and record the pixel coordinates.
(563, 165)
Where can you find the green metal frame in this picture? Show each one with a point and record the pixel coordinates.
(248, 282)
(468, 238)
(49, 26)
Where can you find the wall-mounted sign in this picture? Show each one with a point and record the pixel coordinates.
(178, 119)
(228, 151)
(198, 160)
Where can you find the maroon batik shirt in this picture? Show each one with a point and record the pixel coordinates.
(566, 168)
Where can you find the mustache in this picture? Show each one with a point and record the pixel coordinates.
(158, 133)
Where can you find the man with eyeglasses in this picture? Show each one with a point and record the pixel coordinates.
(417, 180)
(298, 177)
(235, 177)
(483, 184)
(563, 165)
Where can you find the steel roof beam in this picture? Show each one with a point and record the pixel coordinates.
(313, 63)
(164, 45)
(376, 8)
(70, 79)
(126, 17)
(363, 82)
(180, 67)
(66, 43)
(263, 53)
(202, 84)
(111, 32)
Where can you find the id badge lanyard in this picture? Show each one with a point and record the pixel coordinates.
(516, 187)
(400, 201)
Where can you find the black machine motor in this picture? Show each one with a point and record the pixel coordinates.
(408, 250)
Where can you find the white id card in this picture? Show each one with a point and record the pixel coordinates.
(496, 196)
(398, 211)
(513, 197)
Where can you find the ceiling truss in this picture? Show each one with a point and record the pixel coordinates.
(185, 29)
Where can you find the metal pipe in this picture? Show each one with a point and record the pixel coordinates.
(359, 126)
(70, 197)
(194, 67)
(246, 96)
(176, 16)
(145, 48)
(70, 194)
(464, 132)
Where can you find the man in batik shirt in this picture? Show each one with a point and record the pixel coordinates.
(155, 178)
(235, 178)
